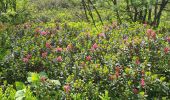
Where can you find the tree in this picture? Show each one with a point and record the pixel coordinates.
(149, 11)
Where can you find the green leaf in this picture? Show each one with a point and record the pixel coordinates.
(34, 77)
(20, 94)
(162, 78)
(29, 79)
(142, 93)
(19, 85)
(43, 74)
(20, 98)
(56, 82)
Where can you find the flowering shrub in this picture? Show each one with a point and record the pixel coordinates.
(119, 62)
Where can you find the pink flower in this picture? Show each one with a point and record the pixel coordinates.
(43, 79)
(43, 33)
(144, 25)
(135, 91)
(166, 50)
(88, 58)
(67, 88)
(44, 54)
(59, 49)
(142, 82)
(95, 46)
(48, 45)
(29, 56)
(149, 31)
(151, 34)
(102, 35)
(168, 39)
(25, 60)
(137, 62)
(59, 59)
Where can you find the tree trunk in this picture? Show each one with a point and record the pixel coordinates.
(117, 12)
(164, 3)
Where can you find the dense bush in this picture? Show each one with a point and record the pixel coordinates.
(58, 55)
(54, 4)
(129, 61)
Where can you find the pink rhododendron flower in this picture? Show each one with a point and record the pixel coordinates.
(149, 31)
(43, 33)
(144, 25)
(44, 54)
(59, 49)
(43, 79)
(135, 91)
(142, 82)
(166, 50)
(95, 46)
(137, 62)
(29, 56)
(151, 34)
(59, 59)
(102, 35)
(88, 58)
(67, 88)
(168, 39)
(25, 60)
(48, 45)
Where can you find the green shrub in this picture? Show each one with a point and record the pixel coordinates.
(55, 4)
(20, 14)
(130, 61)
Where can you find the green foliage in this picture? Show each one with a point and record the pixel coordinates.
(105, 96)
(19, 85)
(25, 94)
(58, 55)
(15, 13)
(43, 87)
(55, 4)
(9, 93)
(143, 11)
(29, 95)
